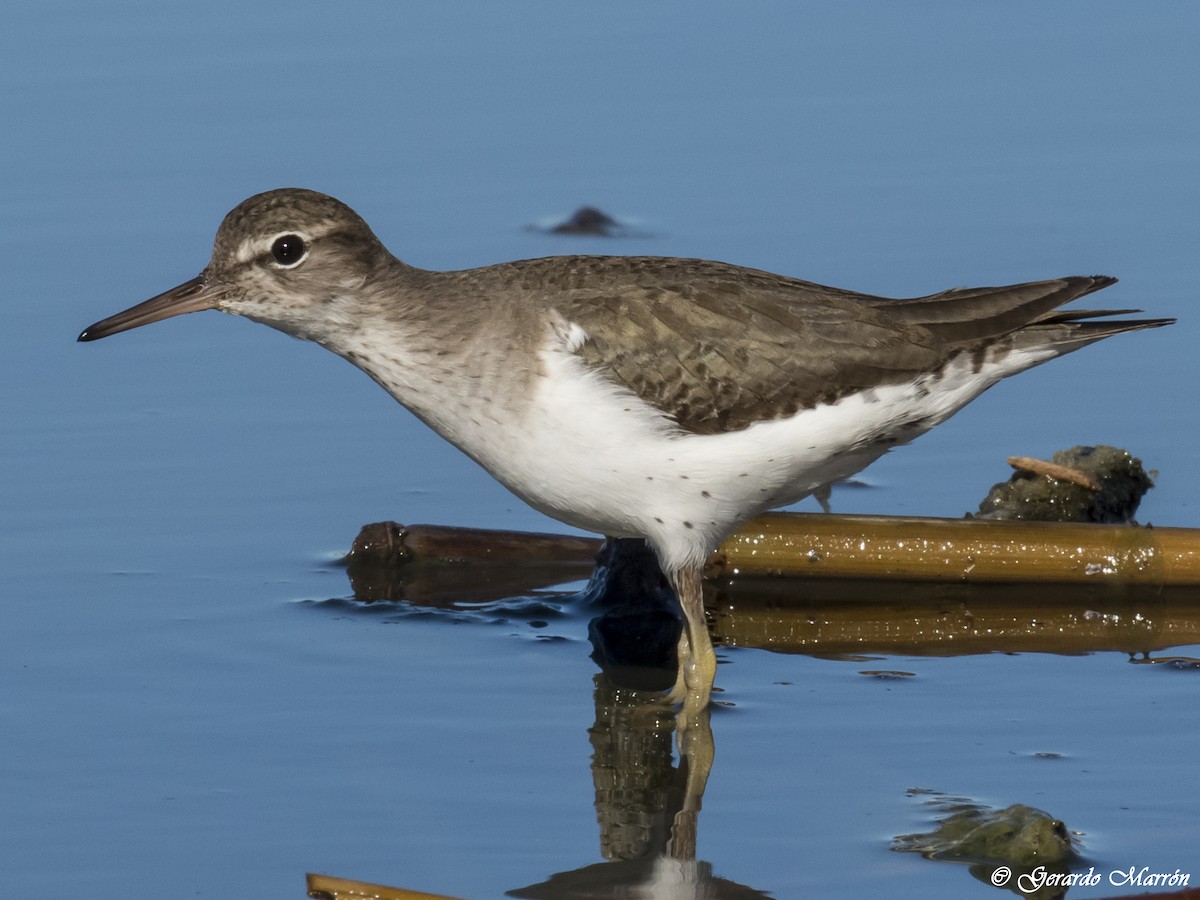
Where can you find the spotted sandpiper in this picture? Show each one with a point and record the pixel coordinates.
(663, 398)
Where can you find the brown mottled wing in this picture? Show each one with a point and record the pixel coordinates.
(720, 348)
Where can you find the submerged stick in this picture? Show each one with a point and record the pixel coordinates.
(393, 544)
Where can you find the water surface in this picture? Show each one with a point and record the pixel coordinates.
(185, 717)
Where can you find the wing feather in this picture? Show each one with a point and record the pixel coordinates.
(718, 347)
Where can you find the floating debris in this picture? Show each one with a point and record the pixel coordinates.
(587, 221)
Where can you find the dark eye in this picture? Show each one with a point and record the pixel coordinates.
(289, 249)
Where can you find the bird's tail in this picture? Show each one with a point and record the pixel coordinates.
(1028, 312)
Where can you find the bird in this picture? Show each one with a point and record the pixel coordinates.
(662, 398)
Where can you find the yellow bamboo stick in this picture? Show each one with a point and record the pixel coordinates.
(964, 550)
(846, 546)
(326, 887)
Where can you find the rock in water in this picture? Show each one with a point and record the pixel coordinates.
(1042, 498)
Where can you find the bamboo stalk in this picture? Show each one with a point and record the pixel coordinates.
(326, 887)
(843, 546)
(964, 550)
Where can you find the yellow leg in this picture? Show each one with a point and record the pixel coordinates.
(693, 731)
(678, 693)
(697, 660)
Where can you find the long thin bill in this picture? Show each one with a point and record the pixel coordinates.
(191, 296)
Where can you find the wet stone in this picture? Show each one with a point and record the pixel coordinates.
(1038, 497)
(1017, 835)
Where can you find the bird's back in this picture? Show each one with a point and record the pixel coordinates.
(718, 347)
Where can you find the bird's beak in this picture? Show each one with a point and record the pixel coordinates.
(191, 296)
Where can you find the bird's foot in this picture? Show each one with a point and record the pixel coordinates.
(695, 676)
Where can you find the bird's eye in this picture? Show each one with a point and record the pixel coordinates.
(289, 250)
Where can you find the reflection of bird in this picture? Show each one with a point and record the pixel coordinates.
(670, 399)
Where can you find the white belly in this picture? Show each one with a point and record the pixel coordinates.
(593, 455)
(590, 453)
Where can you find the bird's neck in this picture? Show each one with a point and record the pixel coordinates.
(441, 364)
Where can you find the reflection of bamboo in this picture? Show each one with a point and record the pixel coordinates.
(835, 618)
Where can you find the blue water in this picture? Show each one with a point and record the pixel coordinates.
(179, 722)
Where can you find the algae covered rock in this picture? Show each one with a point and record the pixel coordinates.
(1096, 484)
(1017, 835)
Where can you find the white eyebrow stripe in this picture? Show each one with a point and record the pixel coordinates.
(253, 247)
